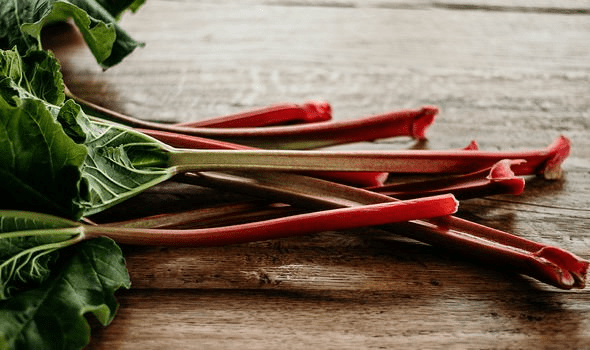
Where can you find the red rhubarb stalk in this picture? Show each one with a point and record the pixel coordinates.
(279, 114)
(327, 220)
(411, 122)
(548, 264)
(499, 179)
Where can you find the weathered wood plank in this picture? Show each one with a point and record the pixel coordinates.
(545, 6)
(519, 318)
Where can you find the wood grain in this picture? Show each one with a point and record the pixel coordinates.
(510, 74)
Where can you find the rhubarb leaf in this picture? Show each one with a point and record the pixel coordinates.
(120, 164)
(53, 158)
(52, 316)
(116, 8)
(36, 74)
(28, 245)
(40, 166)
(21, 22)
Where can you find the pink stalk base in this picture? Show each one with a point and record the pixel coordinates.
(279, 114)
(335, 219)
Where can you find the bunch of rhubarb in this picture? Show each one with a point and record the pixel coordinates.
(64, 160)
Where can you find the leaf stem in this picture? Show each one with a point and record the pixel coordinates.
(68, 231)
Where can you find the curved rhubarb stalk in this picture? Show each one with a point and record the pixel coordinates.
(279, 114)
(499, 179)
(548, 264)
(411, 122)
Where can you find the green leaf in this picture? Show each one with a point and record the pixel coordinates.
(52, 316)
(40, 166)
(53, 158)
(117, 7)
(21, 22)
(120, 164)
(28, 245)
(36, 74)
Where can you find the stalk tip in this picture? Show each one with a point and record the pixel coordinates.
(560, 149)
(569, 271)
(423, 121)
(502, 173)
(317, 111)
(501, 170)
(472, 146)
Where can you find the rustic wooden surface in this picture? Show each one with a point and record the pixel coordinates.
(510, 74)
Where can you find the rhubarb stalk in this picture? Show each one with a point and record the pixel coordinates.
(412, 122)
(499, 179)
(279, 114)
(364, 179)
(546, 161)
(327, 220)
(547, 264)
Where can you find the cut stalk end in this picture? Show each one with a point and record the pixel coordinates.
(424, 119)
(502, 175)
(568, 270)
(560, 149)
(317, 111)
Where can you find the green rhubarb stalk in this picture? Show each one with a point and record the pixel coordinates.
(544, 161)
(363, 179)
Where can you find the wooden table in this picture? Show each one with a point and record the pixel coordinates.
(509, 74)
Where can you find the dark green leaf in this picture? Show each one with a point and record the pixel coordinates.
(117, 7)
(70, 116)
(52, 316)
(21, 23)
(120, 164)
(28, 245)
(54, 158)
(37, 74)
(38, 160)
